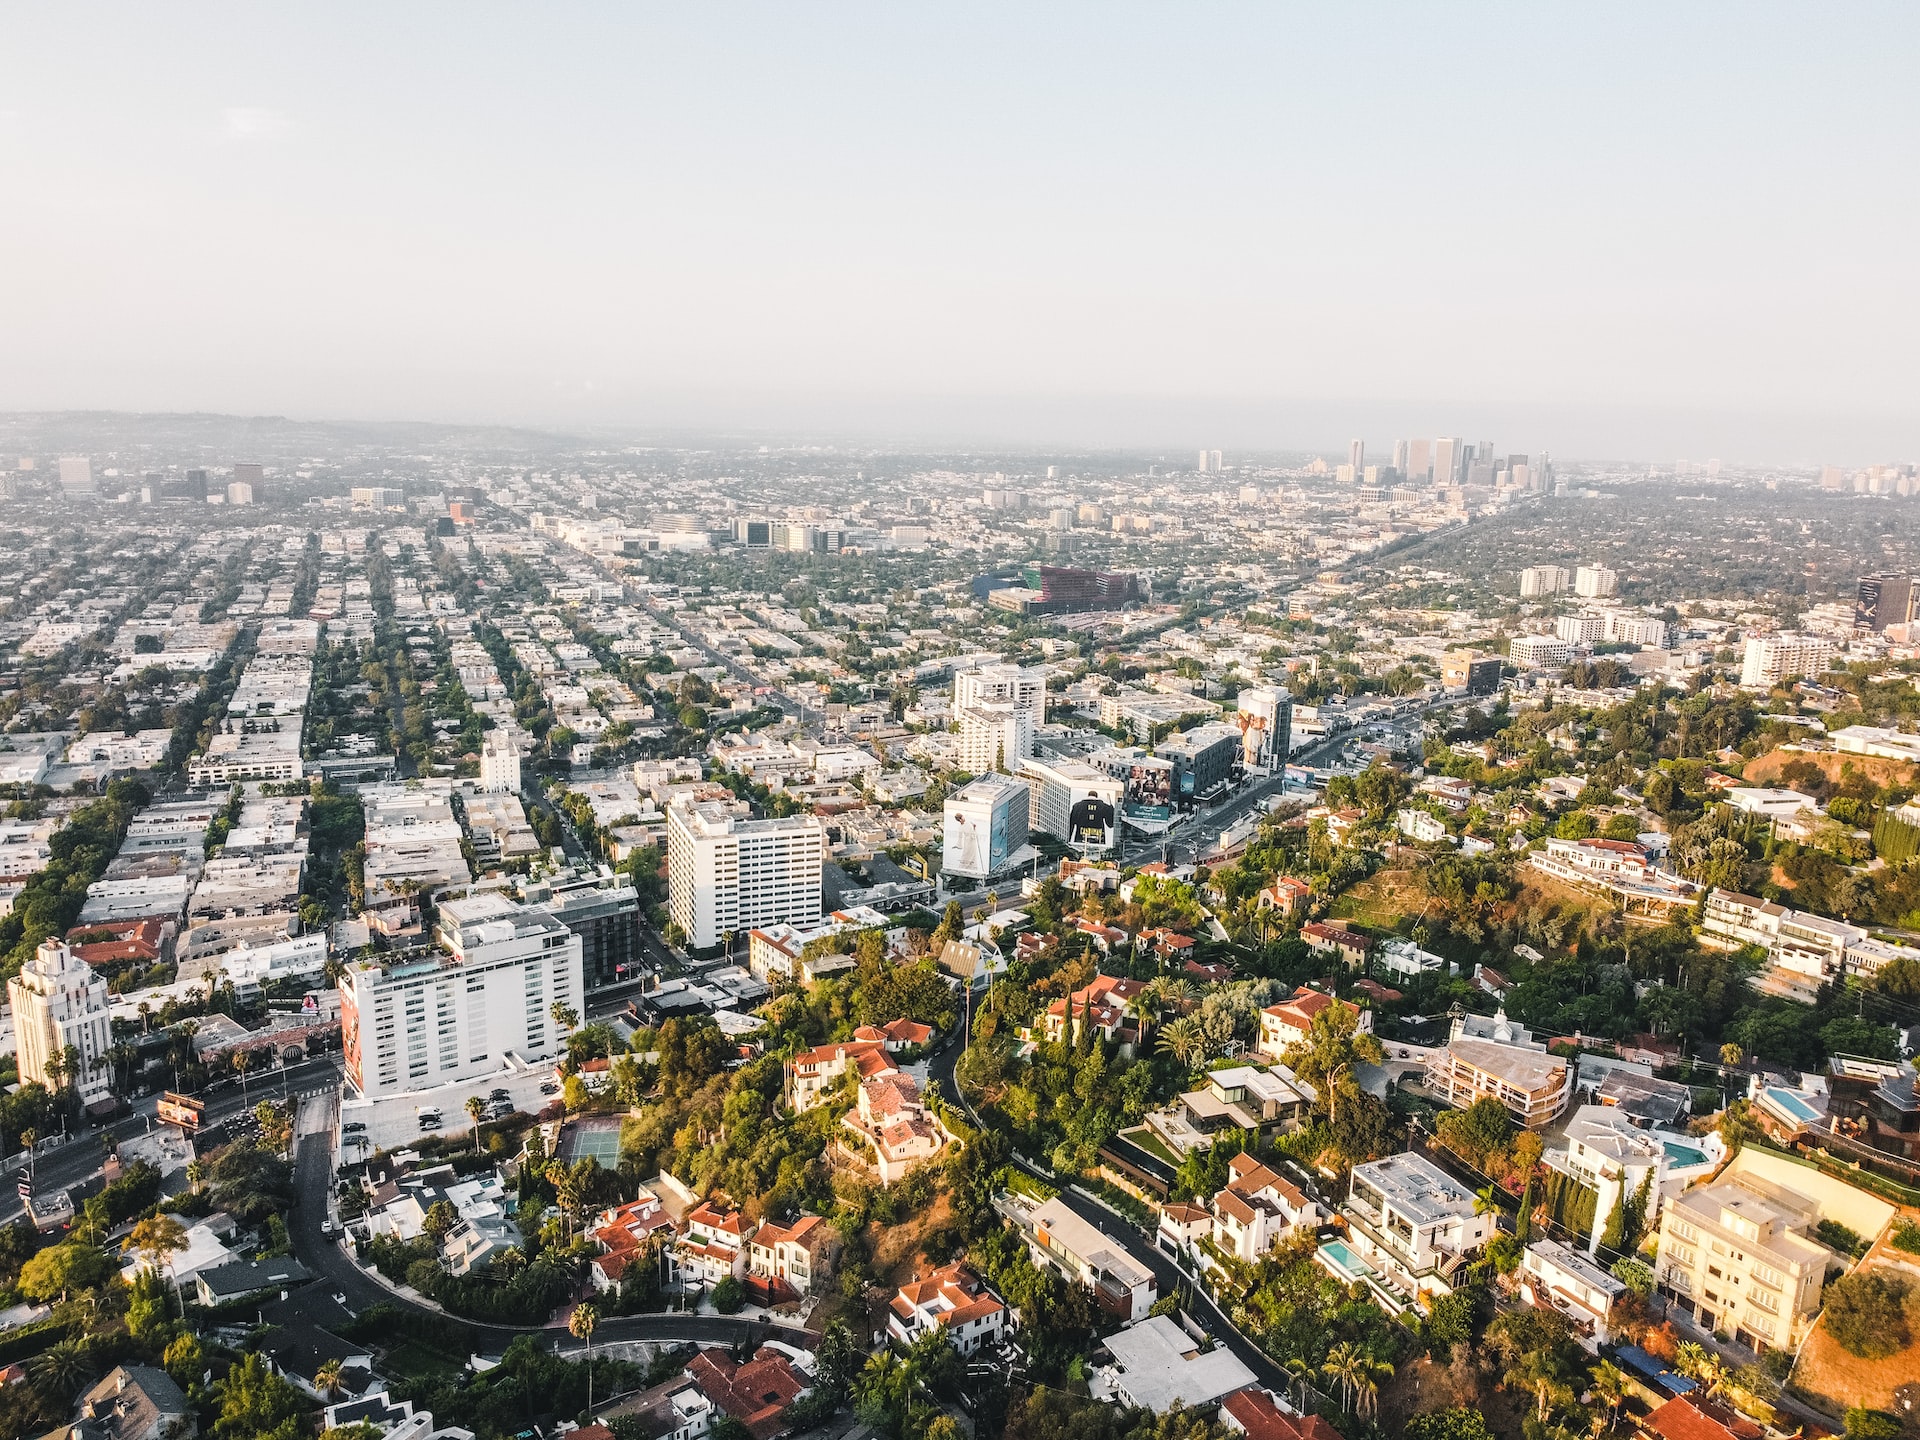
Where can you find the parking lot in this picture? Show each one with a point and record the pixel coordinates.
(393, 1122)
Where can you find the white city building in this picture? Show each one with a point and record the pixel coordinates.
(1594, 582)
(60, 1004)
(993, 736)
(1538, 580)
(1074, 802)
(1530, 651)
(1583, 629)
(1003, 683)
(726, 875)
(1772, 658)
(499, 764)
(414, 1023)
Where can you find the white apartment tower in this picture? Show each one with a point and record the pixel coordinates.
(1538, 580)
(1594, 582)
(499, 764)
(1770, 659)
(60, 1005)
(1003, 683)
(726, 875)
(417, 1022)
(993, 737)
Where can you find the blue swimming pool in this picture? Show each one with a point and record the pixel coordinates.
(1793, 1105)
(1344, 1258)
(1683, 1155)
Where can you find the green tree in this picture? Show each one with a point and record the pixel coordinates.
(60, 1270)
(1866, 1313)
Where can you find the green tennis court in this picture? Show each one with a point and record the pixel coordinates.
(599, 1138)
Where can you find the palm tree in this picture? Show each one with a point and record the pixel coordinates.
(29, 1138)
(146, 1016)
(1184, 1040)
(1610, 1389)
(327, 1379)
(581, 1325)
(476, 1107)
(1486, 1202)
(61, 1369)
(1346, 1366)
(1367, 1388)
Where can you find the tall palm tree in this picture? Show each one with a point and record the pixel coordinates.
(1610, 1389)
(581, 1325)
(1373, 1369)
(476, 1107)
(1345, 1366)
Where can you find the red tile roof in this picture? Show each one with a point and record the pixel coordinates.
(756, 1393)
(1262, 1418)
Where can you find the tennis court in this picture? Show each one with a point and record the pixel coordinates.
(598, 1137)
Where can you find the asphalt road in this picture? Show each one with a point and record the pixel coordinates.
(80, 1158)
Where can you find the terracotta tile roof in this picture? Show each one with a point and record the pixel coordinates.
(1689, 1419)
(1262, 1418)
(756, 1393)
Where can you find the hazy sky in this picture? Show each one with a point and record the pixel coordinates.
(1647, 231)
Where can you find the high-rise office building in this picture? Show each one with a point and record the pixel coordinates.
(1202, 467)
(1074, 802)
(1357, 455)
(604, 911)
(1883, 600)
(1448, 458)
(983, 825)
(727, 875)
(412, 1022)
(76, 475)
(1419, 461)
(247, 473)
(196, 487)
(60, 1008)
(1265, 720)
(1400, 456)
(1594, 582)
(1832, 477)
(239, 492)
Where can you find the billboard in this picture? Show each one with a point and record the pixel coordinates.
(978, 832)
(1090, 823)
(1149, 798)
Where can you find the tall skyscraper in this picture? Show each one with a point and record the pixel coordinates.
(1400, 456)
(1202, 466)
(1448, 456)
(1419, 461)
(1214, 462)
(250, 474)
(1831, 476)
(1357, 455)
(1884, 600)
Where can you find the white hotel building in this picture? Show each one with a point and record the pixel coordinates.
(726, 875)
(413, 1024)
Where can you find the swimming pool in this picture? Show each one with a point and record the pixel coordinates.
(1683, 1155)
(1344, 1259)
(1793, 1105)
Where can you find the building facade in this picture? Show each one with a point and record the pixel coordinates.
(1736, 1257)
(60, 1009)
(726, 875)
(416, 1023)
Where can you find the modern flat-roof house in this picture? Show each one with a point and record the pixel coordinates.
(1413, 1222)
(1055, 1236)
(1556, 1277)
(1157, 1365)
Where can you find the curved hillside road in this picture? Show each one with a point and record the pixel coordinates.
(336, 1273)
